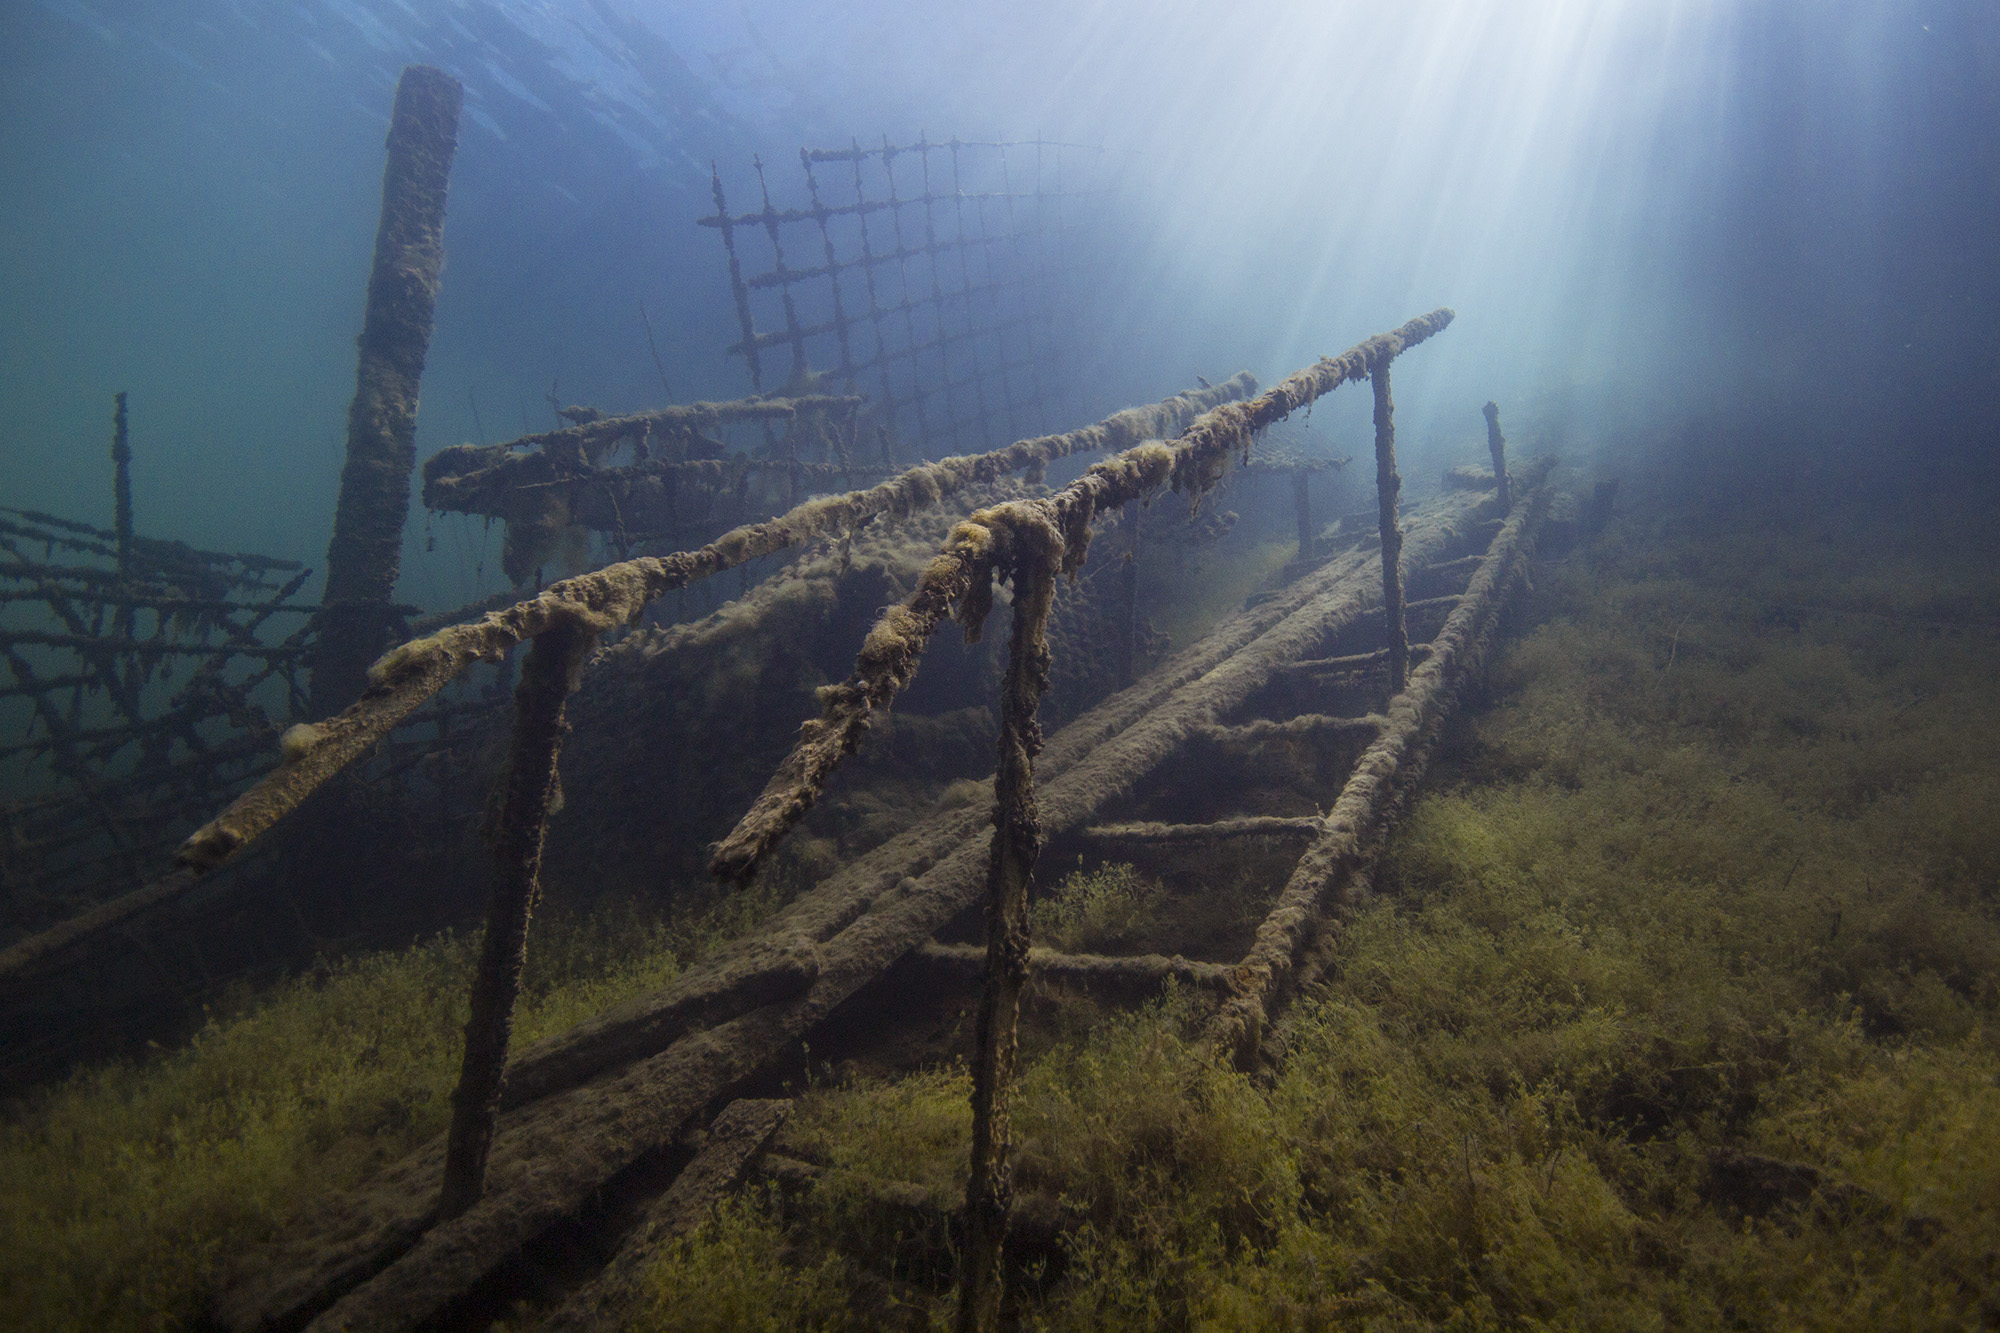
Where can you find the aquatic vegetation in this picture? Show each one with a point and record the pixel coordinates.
(129, 1186)
(1091, 910)
(1675, 1006)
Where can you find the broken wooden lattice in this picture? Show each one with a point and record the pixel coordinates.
(150, 685)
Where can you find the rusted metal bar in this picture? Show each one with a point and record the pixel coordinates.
(876, 313)
(1038, 553)
(791, 215)
(367, 545)
(736, 288)
(931, 251)
(1388, 488)
(769, 217)
(526, 789)
(151, 647)
(820, 215)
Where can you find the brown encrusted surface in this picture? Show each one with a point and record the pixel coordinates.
(517, 478)
(736, 1137)
(1010, 865)
(408, 675)
(1388, 488)
(367, 545)
(1250, 826)
(967, 962)
(959, 582)
(552, 1154)
(527, 789)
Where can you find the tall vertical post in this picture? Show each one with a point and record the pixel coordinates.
(1496, 443)
(367, 546)
(737, 289)
(1388, 488)
(1125, 627)
(1302, 503)
(989, 1190)
(121, 482)
(527, 789)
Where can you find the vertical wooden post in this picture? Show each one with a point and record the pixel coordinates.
(1302, 503)
(522, 811)
(1125, 629)
(367, 547)
(121, 482)
(1010, 863)
(1388, 487)
(1497, 443)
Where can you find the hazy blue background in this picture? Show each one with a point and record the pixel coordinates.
(1772, 222)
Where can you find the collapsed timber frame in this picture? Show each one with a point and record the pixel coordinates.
(578, 1111)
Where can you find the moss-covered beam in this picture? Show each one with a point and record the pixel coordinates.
(1017, 841)
(367, 546)
(617, 1087)
(1496, 444)
(729, 1150)
(1383, 777)
(1221, 830)
(527, 789)
(967, 962)
(1388, 491)
(959, 581)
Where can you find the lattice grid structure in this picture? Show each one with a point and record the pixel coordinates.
(933, 280)
(141, 683)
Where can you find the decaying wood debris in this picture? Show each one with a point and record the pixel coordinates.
(110, 767)
(582, 1108)
(959, 581)
(679, 481)
(727, 1151)
(1389, 490)
(1387, 770)
(412, 674)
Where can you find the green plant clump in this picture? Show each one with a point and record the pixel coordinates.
(129, 1186)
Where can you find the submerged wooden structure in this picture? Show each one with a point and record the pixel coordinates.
(575, 1115)
(1355, 663)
